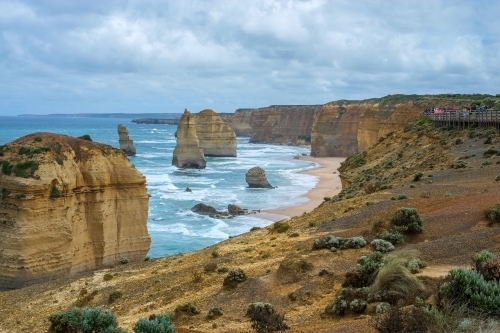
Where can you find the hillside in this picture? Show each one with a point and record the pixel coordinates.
(282, 267)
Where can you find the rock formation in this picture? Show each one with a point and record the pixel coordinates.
(283, 124)
(67, 205)
(126, 144)
(188, 152)
(343, 128)
(214, 135)
(256, 178)
(235, 210)
(240, 121)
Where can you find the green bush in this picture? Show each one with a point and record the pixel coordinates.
(124, 260)
(333, 243)
(414, 265)
(234, 277)
(382, 245)
(25, 169)
(358, 306)
(260, 307)
(490, 152)
(492, 213)
(408, 219)
(338, 307)
(365, 271)
(417, 176)
(114, 295)
(459, 164)
(54, 192)
(214, 312)
(156, 324)
(393, 236)
(84, 320)
(399, 197)
(471, 289)
(107, 277)
(188, 308)
(263, 319)
(281, 227)
(483, 256)
(7, 168)
(222, 269)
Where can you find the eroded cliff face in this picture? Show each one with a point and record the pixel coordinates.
(241, 122)
(188, 153)
(67, 205)
(215, 136)
(343, 128)
(283, 124)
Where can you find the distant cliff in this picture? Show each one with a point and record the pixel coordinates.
(343, 127)
(67, 205)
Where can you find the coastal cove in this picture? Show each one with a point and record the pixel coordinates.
(173, 227)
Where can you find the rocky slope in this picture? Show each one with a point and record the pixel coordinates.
(214, 135)
(67, 205)
(188, 153)
(343, 128)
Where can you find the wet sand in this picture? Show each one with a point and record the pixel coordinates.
(328, 185)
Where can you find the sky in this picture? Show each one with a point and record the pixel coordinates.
(94, 56)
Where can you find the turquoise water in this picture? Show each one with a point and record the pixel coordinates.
(173, 227)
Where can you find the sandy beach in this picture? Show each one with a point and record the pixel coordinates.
(328, 185)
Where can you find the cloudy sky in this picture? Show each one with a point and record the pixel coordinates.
(70, 56)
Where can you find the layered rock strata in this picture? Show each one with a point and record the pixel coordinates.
(283, 124)
(343, 128)
(67, 205)
(126, 144)
(188, 153)
(256, 178)
(214, 135)
(240, 121)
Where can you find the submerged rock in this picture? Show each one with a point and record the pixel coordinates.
(126, 144)
(235, 210)
(203, 209)
(256, 178)
(188, 190)
(188, 152)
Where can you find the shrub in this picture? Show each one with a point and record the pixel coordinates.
(54, 192)
(458, 141)
(222, 269)
(417, 176)
(7, 168)
(210, 267)
(405, 320)
(147, 258)
(485, 163)
(124, 260)
(215, 254)
(396, 280)
(255, 228)
(260, 307)
(281, 227)
(459, 164)
(331, 242)
(234, 277)
(490, 269)
(414, 265)
(365, 271)
(197, 277)
(25, 169)
(158, 323)
(497, 178)
(338, 307)
(393, 236)
(399, 197)
(292, 267)
(471, 289)
(483, 256)
(37, 139)
(408, 219)
(492, 213)
(107, 277)
(214, 312)
(188, 308)
(382, 307)
(382, 245)
(358, 306)
(114, 295)
(85, 320)
(324, 271)
(490, 152)
(263, 322)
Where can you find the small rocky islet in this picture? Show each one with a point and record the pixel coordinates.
(457, 181)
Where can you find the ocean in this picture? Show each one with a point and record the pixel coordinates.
(171, 224)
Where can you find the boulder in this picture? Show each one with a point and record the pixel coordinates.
(67, 205)
(256, 178)
(215, 136)
(203, 209)
(126, 144)
(188, 190)
(188, 152)
(235, 210)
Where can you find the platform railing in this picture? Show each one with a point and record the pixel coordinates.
(464, 119)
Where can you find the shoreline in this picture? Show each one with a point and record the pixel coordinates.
(328, 185)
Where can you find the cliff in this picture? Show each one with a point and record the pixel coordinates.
(240, 121)
(67, 205)
(283, 124)
(126, 144)
(188, 152)
(214, 135)
(343, 128)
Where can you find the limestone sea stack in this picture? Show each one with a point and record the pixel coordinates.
(188, 152)
(126, 144)
(256, 178)
(67, 205)
(216, 137)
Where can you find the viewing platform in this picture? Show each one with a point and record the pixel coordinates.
(465, 119)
